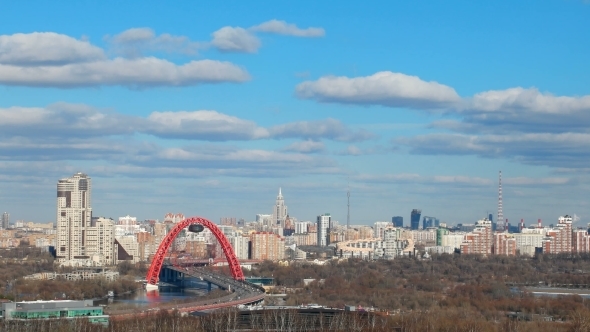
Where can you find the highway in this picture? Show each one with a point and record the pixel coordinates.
(240, 293)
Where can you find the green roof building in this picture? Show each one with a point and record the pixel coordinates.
(67, 309)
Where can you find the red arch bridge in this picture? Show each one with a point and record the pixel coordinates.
(153, 274)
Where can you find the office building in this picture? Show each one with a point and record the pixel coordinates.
(74, 216)
(428, 222)
(323, 228)
(397, 221)
(415, 219)
(279, 212)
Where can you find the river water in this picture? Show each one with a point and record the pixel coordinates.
(142, 299)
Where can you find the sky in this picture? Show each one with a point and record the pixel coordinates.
(207, 109)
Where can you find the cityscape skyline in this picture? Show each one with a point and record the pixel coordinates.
(208, 111)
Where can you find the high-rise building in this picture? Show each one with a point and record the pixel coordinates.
(559, 239)
(323, 228)
(279, 212)
(5, 220)
(74, 215)
(430, 222)
(379, 228)
(479, 241)
(415, 219)
(398, 221)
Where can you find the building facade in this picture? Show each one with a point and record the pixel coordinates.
(74, 216)
(397, 221)
(323, 228)
(5, 220)
(279, 212)
(266, 245)
(415, 219)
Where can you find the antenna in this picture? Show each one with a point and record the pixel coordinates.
(348, 214)
(500, 212)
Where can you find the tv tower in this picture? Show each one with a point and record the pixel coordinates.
(348, 213)
(500, 220)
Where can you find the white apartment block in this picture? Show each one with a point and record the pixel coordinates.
(379, 228)
(240, 245)
(323, 226)
(131, 246)
(100, 241)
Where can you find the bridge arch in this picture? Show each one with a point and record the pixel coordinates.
(153, 274)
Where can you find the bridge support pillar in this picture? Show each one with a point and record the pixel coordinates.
(208, 286)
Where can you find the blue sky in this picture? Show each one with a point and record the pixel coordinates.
(209, 109)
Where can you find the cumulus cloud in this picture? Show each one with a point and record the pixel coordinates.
(204, 125)
(382, 88)
(235, 39)
(63, 120)
(328, 128)
(284, 28)
(308, 146)
(140, 72)
(46, 49)
(136, 41)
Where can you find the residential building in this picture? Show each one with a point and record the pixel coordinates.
(5, 220)
(100, 241)
(379, 228)
(266, 245)
(480, 240)
(74, 216)
(504, 244)
(323, 228)
(559, 238)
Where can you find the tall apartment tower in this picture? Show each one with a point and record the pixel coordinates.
(323, 229)
(5, 220)
(279, 212)
(415, 219)
(74, 216)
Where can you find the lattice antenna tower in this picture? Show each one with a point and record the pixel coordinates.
(500, 220)
(348, 212)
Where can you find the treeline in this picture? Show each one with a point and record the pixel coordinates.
(445, 282)
(458, 320)
(30, 290)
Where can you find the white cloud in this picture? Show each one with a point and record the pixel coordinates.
(140, 72)
(328, 128)
(308, 146)
(520, 99)
(62, 119)
(565, 150)
(382, 88)
(136, 41)
(235, 39)
(46, 48)
(205, 125)
(284, 28)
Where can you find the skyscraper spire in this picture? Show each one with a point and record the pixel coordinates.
(500, 220)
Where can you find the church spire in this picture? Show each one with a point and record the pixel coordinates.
(280, 194)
